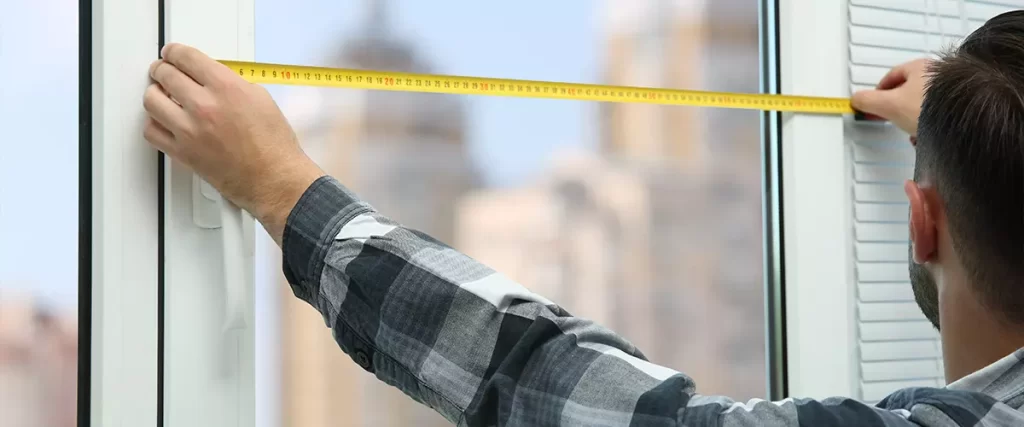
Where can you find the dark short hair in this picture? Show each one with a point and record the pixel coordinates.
(971, 146)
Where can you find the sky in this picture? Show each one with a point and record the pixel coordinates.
(39, 156)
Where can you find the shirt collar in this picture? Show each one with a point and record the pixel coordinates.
(1003, 380)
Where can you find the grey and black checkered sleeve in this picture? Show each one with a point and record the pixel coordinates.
(483, 350)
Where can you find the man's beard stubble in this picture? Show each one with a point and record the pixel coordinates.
(926, 292)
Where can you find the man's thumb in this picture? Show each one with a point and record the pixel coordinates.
(873, 101)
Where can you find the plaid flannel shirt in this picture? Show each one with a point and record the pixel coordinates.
(483, 350)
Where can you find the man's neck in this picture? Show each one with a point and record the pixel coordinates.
(972, 335)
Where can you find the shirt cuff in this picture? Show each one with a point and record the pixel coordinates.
(324, 208)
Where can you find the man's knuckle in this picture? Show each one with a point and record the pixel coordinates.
(163, 72)
(206, 109)
(224, 81)
(153, 139)
(215, 83)
(152, 134)
(188, 132)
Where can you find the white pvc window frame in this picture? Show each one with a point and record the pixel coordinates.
(121, 38)
(154, 351)
(814, 280)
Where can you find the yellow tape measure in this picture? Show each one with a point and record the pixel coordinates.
(408, 82)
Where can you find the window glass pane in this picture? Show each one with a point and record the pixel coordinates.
(38, 212)
(644, 218)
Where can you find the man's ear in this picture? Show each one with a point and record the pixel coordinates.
(923, 230)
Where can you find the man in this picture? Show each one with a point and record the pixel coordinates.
(484, 351)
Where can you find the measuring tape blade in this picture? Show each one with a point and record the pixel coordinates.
(264, 73)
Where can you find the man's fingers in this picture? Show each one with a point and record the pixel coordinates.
(182, 88)
(157, 135)
(875, 102)
(894, 78)
(165, 111)
(195, 64)
(899, 74)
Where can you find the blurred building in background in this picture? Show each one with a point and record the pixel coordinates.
(38, 365)
(653, 43)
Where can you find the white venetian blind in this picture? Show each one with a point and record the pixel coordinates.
(896, 344)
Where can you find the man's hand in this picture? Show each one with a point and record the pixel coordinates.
(898, 97)
(229, 131)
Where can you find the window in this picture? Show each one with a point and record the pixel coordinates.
(644, 218)
(39, 193)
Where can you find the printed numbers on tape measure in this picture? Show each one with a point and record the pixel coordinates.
(365, 79)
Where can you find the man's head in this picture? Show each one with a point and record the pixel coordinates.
(969, 177)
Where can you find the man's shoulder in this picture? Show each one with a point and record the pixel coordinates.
(941, 407)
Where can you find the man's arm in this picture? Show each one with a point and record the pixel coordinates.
(481, 349)
(445, 329)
